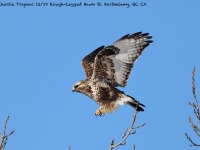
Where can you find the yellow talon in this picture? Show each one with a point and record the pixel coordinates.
(98, 113)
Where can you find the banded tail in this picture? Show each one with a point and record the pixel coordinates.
(126, 99)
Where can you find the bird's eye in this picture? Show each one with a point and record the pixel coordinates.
(76, 86)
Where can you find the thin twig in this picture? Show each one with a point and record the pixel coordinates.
(195, 106)
(128, 132)
(194, 127)
(133, 147)
(3, 136)
(193, 143)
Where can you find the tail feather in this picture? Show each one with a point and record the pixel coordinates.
(135, 104)
(126, 99)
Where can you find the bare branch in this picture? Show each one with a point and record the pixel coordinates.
(3, 136)
(128, 132)
(193, 143)
(134, 147)
(140, 126)
(195, 106)
(194, 127)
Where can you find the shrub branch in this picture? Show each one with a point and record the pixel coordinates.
(129, 131)
(4, 136)
(195, 106)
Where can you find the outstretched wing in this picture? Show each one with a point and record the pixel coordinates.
(88, 62)
(114, 63)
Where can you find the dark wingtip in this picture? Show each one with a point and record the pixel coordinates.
(123, 37)
(149, 41)
(145, 34)
(148, 37)
(137, 33)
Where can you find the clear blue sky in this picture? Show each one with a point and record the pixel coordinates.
(41, 49)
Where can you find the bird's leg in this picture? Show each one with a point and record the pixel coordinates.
(100, 111)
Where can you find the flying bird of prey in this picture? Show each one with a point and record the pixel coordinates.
(109, 67)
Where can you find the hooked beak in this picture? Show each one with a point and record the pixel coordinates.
(73, 89)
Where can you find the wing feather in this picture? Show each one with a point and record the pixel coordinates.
(88, 62)
(114, 63)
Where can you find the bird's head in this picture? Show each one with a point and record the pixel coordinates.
(79, 86)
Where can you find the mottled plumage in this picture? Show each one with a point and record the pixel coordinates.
(109, 67)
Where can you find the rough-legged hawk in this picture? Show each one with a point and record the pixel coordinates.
(109, 67)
